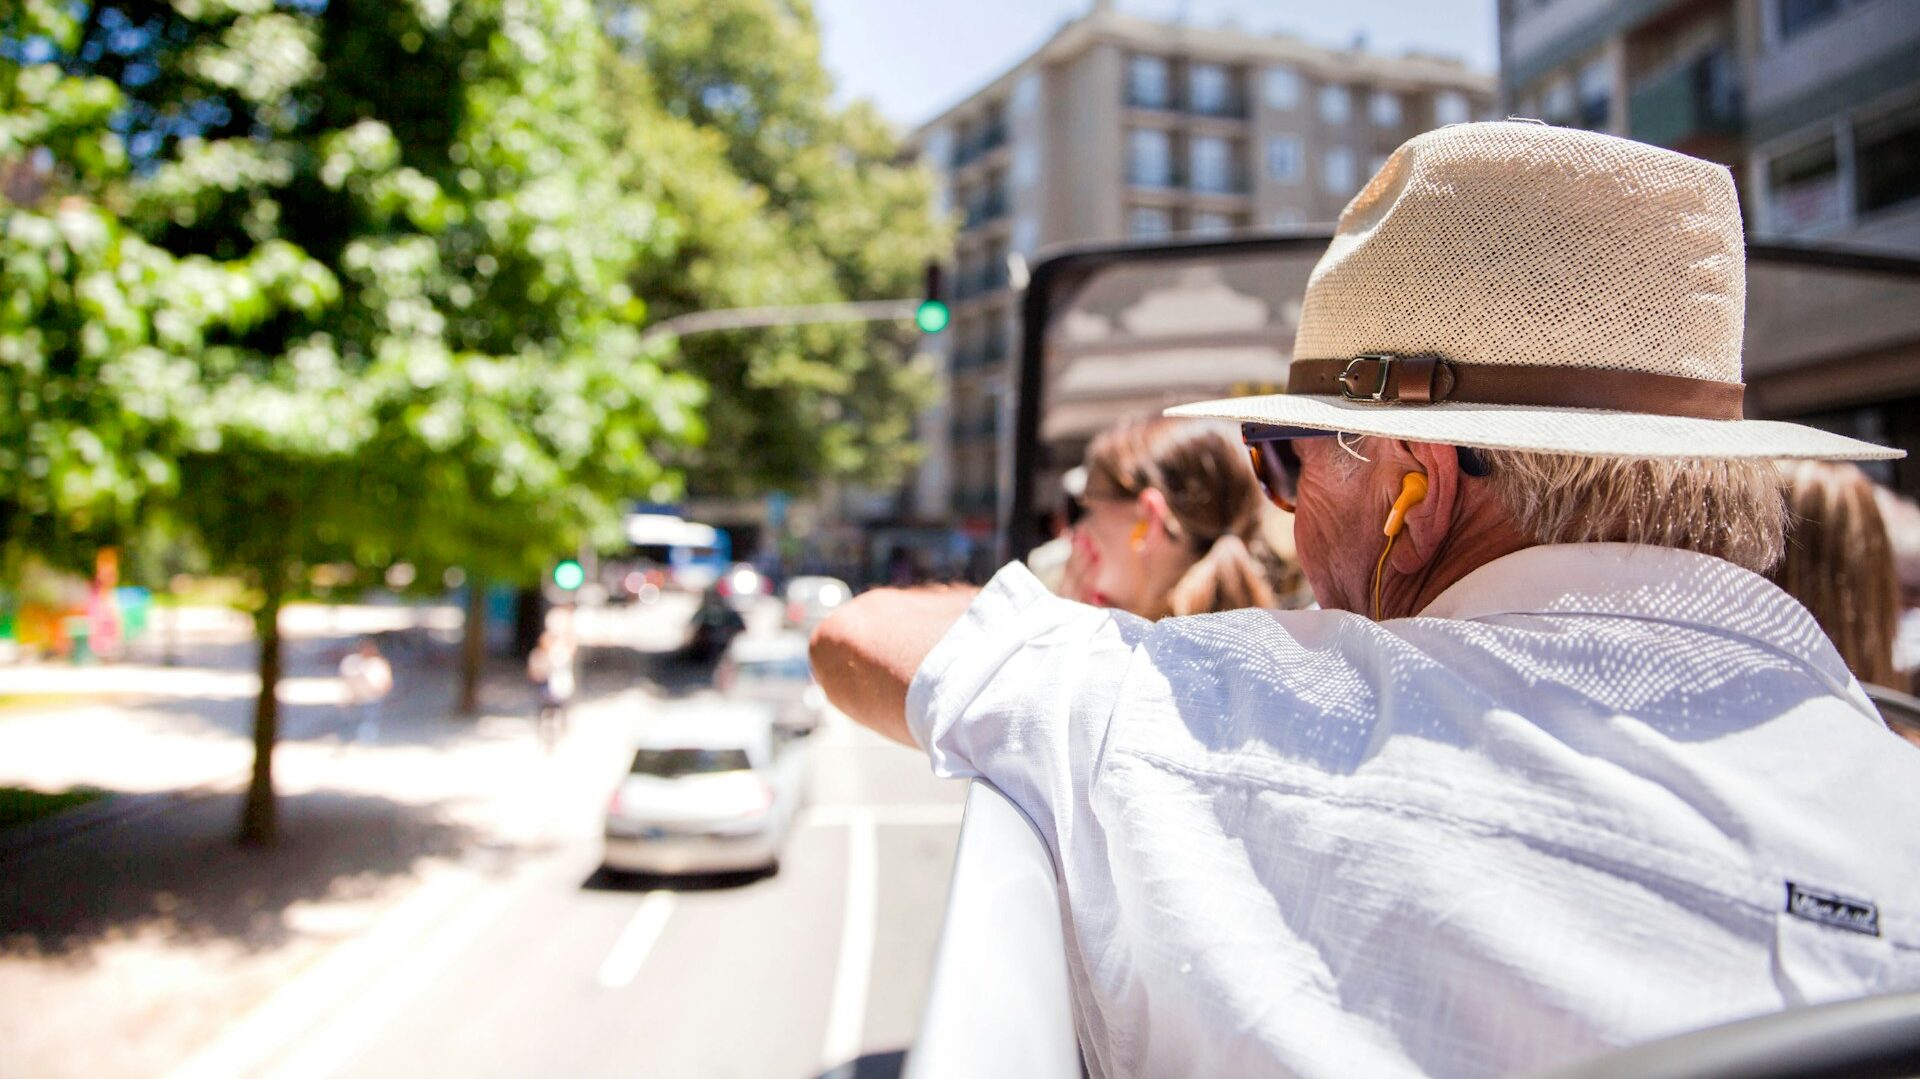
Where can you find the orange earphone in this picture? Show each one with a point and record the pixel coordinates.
(1139, 536)
(1413, 490)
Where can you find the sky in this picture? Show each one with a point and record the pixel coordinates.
(916, 57)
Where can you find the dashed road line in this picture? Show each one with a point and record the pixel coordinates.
(629, 952)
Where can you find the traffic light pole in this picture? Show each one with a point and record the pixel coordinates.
(746, 318)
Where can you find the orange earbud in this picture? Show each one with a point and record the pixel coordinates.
(1413, 490)
(1140, 534)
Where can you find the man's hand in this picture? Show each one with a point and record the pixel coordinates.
(865, 654)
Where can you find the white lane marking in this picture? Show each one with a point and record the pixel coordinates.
(848, 1013)
(623, 962)
(910, 813)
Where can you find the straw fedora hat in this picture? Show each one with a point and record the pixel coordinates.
(1518, 286)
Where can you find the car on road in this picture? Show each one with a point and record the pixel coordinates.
(713, 789)
(772, 668)
(811, 599)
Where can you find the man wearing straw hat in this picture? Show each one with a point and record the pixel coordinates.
(1554, 770)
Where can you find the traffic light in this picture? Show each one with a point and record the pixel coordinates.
(932, 315)
(569, 575)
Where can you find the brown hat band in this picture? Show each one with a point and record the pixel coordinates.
(1422, 380)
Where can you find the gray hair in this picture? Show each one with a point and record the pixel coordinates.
(1730, 509)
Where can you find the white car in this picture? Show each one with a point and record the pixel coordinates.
(811, 599)
(713, 790)
(773, 669)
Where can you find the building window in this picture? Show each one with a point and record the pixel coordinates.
(1147, 83)
(1336, 171)
(1209, 89)
(1148, 222)
(1887, 161)
(1149, 158)
(1336, 104)
(1025, 168)
(1450, 107)
(1595, 87)
(1212, 164)
(1798, 16)
(1285, 162)
(1282, 88)
(1286, 217)
(1561, 102)
(1212, 224)
(1803, 187)
(1384, 107)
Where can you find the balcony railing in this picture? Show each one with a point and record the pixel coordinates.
(977, 282)
(1233, 183)
(990, 207)
(1700, 98)
(975, 357)
(1232, 108)
(979, 429)
(979, 144)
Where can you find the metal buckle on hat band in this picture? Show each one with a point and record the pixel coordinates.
(1350, 376)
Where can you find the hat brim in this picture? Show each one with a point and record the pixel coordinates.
(1578, 432)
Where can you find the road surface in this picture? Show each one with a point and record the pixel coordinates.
(549, 966)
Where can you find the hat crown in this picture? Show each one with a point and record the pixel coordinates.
(1521, 244)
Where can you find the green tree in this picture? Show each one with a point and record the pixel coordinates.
(779, 196)
(405, 245)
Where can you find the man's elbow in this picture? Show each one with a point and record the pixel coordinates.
(855, 667)
(829, 649)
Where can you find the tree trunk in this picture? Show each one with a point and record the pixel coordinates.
(258, 817)
(473, 652)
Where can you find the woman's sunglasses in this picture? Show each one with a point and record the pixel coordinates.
(1277, 466)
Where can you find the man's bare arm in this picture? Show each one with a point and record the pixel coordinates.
(866, 653)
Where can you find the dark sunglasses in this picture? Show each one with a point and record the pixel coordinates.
(1277, 466)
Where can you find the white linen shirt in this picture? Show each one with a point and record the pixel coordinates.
(1561, 811)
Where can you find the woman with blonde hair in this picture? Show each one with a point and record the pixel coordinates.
(1173, 523)
(1839, 564)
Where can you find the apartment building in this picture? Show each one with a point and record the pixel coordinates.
(1119, 127)
(1814, 105)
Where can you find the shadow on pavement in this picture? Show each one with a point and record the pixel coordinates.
(180, 873)
(610, 880)
(888, 1064)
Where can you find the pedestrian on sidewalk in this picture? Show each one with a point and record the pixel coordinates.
(550, 669)
(368, 678)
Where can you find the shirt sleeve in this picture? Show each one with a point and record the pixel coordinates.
(1021, 693)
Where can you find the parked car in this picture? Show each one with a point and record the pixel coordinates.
(713, 790)
(811, 599)
(773, 669)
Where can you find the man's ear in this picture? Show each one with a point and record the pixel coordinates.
(1429, 520)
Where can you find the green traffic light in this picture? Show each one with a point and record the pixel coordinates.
(931, 316)
(569, 576)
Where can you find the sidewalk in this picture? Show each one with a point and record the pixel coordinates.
(158, 931)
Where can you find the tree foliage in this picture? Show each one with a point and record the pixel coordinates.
(325, 282)
(779, 196)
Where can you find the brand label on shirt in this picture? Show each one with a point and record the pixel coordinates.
(1838, 911)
